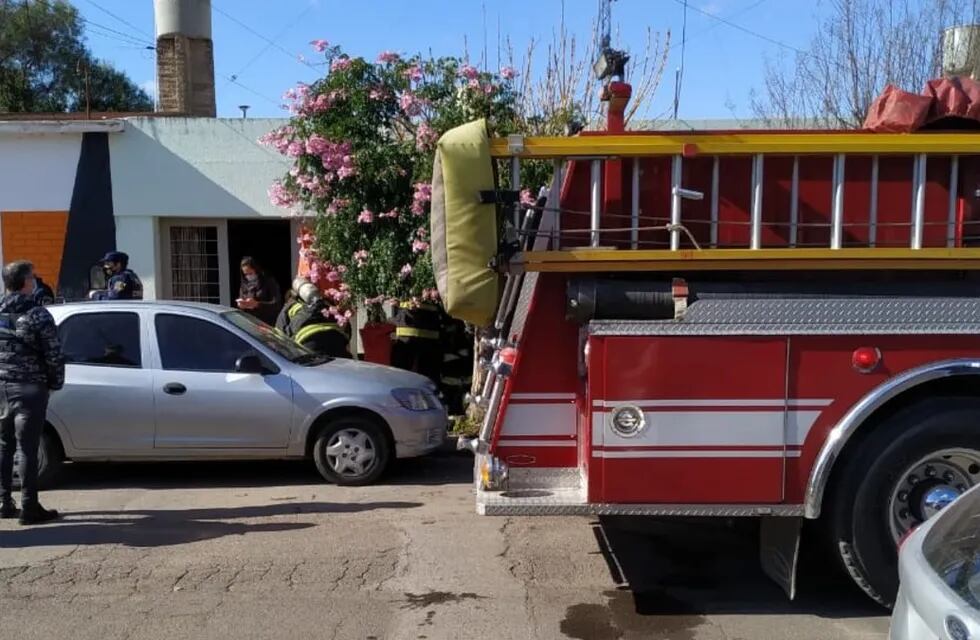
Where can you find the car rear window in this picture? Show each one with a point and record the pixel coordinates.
(952, 547)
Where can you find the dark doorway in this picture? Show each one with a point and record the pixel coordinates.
(269, 242)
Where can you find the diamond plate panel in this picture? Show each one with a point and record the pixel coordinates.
(549, 478)
(560, 504)
(810, 316)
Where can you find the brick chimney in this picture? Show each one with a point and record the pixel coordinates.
(185, 57)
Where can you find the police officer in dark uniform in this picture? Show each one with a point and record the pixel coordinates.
(302, 320)
(416, 341)
(31, 366)
(123, 284)
(43, 294)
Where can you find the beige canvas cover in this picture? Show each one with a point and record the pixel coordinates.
(463, 231)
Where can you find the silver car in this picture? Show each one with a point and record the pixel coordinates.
(939, 567)
(186, 381)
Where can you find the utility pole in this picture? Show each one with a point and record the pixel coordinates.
(80, 68)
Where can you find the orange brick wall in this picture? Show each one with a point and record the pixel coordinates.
(38, 236)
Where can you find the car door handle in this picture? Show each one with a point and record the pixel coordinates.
(174, 388)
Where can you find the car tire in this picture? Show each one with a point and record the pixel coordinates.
(50, 460)
(881, 495)
(342, 446)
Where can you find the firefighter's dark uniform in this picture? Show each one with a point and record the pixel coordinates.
(307, 326)
(457, 364)
(416, 342)
(31, 366)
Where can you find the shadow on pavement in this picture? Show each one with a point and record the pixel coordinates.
(166, 527)
(673, 573)
(437, 469)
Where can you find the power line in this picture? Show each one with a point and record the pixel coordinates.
(113, 15)
(128, 37)
(234, 80)
(756, 34)
(281, 33)
(271, 42)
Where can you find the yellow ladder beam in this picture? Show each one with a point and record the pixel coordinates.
(600, 260)
(736, 143)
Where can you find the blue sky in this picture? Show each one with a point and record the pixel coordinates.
(721, 62)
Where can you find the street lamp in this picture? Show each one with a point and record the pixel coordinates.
(244, 108)
(611, 64)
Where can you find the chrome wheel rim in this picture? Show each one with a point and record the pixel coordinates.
(351, 453)
(929, 485)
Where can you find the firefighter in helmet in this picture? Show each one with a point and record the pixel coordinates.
(416, 344)
(303, 321)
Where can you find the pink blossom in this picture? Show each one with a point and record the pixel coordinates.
(317, 145)
(508, 73)
(279, 196)
(361, 257)
(473, 83)
(489, 89)
(387, 57)
(413, 73)
(469, 72)
(319, 45)
(526, 198)
(410, 103)
(377, 93)
(294, 149)
(425, 137)
(406, 271)
(342, 269)
(374, 300)
(389, 214)
(336, 205)
(321, 103)
(366, 217)
(340, 64)
(430, 294)
(345, 172)
(278, 138)
(423, 194)
(333, 276)
(419, 246)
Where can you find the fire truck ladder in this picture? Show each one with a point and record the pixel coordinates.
(585, 247)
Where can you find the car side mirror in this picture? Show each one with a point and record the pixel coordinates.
(250, 363)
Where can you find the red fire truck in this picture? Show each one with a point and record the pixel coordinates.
(781, 324)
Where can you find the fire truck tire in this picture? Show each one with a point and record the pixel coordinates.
(880, 485)
(351, 451)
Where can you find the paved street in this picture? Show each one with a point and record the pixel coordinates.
(267, 551)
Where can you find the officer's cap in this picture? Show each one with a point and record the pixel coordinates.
(116, 256)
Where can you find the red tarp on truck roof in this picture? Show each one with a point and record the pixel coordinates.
(943, 103)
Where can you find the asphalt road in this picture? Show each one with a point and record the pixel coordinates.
(267, 551)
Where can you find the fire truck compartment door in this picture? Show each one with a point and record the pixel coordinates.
(714, 419)
(464, 231)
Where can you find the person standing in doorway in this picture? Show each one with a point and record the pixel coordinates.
(259, 294)
(31, 367)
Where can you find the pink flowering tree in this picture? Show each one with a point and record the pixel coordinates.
(362, 142)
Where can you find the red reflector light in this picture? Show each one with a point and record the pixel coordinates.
(508, 355)
(905, 536)
(866, 359)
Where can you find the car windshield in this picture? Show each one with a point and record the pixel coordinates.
(274, 339)
(952, 547)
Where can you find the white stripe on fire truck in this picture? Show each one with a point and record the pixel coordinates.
(504, 442)
(543, 396)
(700, 453)
(705, 428)
(643, 404)
(540, 420)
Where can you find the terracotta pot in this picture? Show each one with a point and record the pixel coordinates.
(376, 338)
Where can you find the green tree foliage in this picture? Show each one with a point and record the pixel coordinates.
(44, 60)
